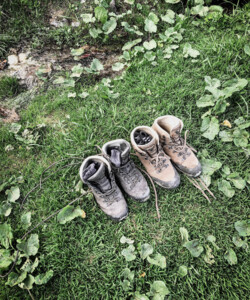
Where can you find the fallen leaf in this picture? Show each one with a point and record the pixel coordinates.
(143, 274)
(226, 123)
(9, 116)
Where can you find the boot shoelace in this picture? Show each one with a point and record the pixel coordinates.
(179, 143)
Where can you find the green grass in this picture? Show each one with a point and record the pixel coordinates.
(86, 254)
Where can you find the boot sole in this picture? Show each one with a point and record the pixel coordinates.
(189, 175)
(141, 200)
(119, 219)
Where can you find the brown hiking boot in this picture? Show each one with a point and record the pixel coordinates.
(117, 152)
(145, 142)
(169, 130)
(96, 172)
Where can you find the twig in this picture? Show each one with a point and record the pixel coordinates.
(205, 186)
(31, 296)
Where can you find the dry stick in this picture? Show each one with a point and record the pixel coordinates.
(205, 186)
(38, 185)
(31, 296)
(57, 162)
(28, 232)
(195, 183)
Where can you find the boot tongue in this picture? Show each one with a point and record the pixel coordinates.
(175, 133)
(119, 157)
(100, 178)
(151, 148)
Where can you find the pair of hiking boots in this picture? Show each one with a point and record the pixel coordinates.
(157, 147)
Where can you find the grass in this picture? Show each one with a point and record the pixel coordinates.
(86, 254)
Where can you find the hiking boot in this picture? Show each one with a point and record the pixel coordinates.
(96, 172)
(169, 130)
(152, 156)
(117, 152)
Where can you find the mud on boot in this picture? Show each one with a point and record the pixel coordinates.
(117, 152)
(169, 130)
(151, 155)
(96, 172)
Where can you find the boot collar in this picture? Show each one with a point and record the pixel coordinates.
(123, 145)
(151, 145)
(168, 126)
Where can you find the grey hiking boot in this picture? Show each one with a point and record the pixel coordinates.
(96, 172)
(117, 152)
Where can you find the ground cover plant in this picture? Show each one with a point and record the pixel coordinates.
(184, 61)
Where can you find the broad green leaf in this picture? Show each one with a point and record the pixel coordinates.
(95, 67)
(231, 257)
(25, 220)
(131, 2)
(127, 274)
(158, 260)
(117, 67)
(6, 235)
(146, 250)
(72, 95)
(150, 26)
(130, 29)
(209, 166)
(200, 10)
(204, 101)
(150, 55)
(69, 83)
(131, 44)
(101, 14)
(237, 181)
(226, 136)
(242, 123)
(183, 270)
(243, 227)
(59, 80)
(206, 179)
(239, 243)
(84, 95)
(15, 128)
(234, 85)
(44, 278)
(216, 8)
(189, 51)
(13, 194)
(210, 127)
(172, 1)
(5, 259)
(212, 240)
(169, 17)
(109, 26)
(30, 247)
(14, 278)
(220, 106)
(150, 45)
(240, 137)
(126, 55)
(153, 17)
(215, 92)
(158, 290)
(88, 18)
(247, 49)
(27, 283)
(124, 240)
(77, 71)
(129, 253)
(94, 32)
(5, 209)
(138, 296)
(212, 82)
(126, 285)
(184, 234)
(225, 187)
(194, 248)
(76, 52)
(208, 257)
(68, 213)
(226, 170)
(29, 266)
